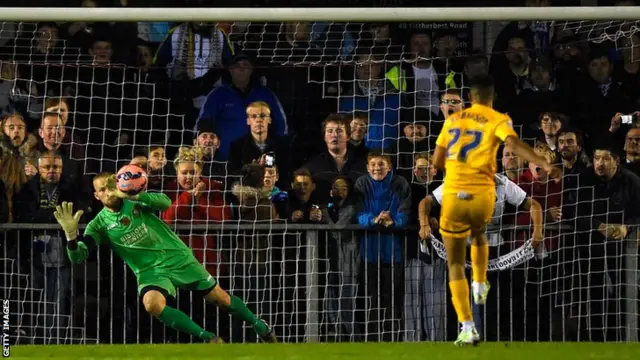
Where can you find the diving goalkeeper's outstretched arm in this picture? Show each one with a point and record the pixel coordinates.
(77, 246)
(154, 201)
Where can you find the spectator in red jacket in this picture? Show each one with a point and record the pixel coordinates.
(199, 201)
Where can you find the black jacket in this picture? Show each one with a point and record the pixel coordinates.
(296, 204)
(324, 170)
(418, 193)
(571, 184)
(244, 151)
(615, 201)
(634, 167)
(27, 201)
(49, 244)
(4, 204)
(591, 111)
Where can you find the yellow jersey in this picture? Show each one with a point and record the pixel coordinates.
(471, 138)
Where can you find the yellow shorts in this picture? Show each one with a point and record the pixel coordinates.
(461, 214)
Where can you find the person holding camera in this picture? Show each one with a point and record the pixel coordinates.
(304, 205)
(621, 124)
(260, 146)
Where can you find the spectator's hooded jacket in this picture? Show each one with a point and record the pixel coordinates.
(227, 106)
(392, 194)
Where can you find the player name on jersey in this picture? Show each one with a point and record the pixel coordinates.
(136, 235)
(474, 116)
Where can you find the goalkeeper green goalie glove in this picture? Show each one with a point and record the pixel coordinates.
(68, 220)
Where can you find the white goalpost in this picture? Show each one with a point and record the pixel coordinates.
(322, 14)
(304, 287)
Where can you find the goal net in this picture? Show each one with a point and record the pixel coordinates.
(196, 102)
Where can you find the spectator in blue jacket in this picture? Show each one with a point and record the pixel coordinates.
(227, 105)
(384, 202)
(371, 92)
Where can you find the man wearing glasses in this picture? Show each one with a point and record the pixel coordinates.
(451, 102)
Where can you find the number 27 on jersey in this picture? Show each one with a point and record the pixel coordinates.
(463, 142)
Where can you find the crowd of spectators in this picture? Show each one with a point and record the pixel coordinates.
(310, 123)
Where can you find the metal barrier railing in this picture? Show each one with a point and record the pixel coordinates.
(319, 283)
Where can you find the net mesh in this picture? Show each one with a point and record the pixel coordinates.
(124, 100)
(601, 31)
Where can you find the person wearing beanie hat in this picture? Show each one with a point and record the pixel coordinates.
(208, 140)
(206, 126)
(414, 138)
(206, 137)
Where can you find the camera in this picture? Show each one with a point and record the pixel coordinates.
(629, 119)
(270, 160)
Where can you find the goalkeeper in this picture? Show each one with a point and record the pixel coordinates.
(159, 259)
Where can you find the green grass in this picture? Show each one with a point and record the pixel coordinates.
(356, 351)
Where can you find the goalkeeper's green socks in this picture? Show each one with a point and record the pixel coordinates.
(180, 321)
(240, 309)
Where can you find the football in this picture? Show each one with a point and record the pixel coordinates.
(131, 179)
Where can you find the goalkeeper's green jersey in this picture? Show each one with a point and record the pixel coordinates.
(138, 236)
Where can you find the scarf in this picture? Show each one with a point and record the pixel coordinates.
(186, 47)
(516, 257)
(604, 88)
(49, 195)
(371, 89)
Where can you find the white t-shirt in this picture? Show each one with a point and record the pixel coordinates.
(427, 88)
(506, 192)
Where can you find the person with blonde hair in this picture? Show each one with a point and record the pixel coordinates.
(260, 145)
(226, 105)
(204, 195)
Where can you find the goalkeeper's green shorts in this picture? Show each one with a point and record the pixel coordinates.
(191, 276)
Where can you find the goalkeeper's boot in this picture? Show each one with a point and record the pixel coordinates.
(270, 336)
(480, 292)
(468, 336)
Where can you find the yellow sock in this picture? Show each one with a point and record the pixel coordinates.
(460, 298)
(480, 262)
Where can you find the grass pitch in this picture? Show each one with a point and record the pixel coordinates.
(355, 351)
